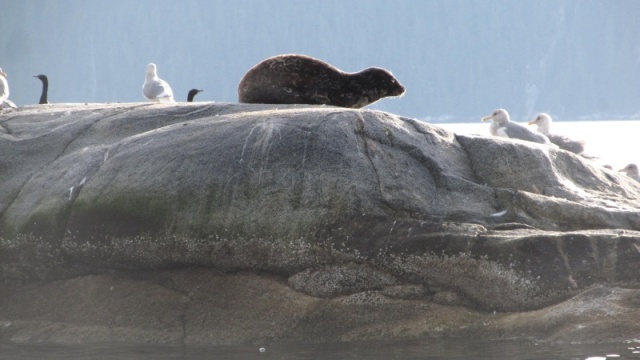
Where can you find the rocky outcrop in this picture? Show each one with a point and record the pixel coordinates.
(361, 224)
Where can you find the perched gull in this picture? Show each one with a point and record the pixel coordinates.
(4, 87)
(632, 171)
(45, 88)
(501, 126)
(544, 124)
(5, 103)
(154, 88)
(192, 93)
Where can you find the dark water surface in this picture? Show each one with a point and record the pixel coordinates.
(416, 349)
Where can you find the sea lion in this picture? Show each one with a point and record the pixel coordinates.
(300, 79)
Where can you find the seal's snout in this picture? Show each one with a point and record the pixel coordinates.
(399, 90)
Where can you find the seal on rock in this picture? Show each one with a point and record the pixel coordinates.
(300, 79)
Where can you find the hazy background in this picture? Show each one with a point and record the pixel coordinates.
(459, 60)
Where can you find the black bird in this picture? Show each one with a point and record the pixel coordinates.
(45, 88)
(192, 93)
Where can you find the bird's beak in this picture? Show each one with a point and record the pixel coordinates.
(487, 118)
(531, 122)
(3, 73)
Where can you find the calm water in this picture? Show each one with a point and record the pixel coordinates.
(614, 143)
(406, 350)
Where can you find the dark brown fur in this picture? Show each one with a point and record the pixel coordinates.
(299, 79)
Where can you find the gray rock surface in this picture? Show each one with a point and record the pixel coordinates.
(196, 222)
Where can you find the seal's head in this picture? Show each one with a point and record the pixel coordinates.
(383, 81)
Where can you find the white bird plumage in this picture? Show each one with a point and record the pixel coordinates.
(4, 87)
(154, 88)
(501, 126)
(632, 171)
(543, 121)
